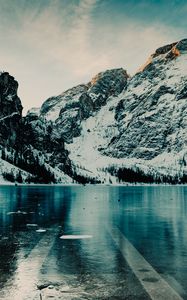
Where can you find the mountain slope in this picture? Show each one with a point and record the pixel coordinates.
(153, 108)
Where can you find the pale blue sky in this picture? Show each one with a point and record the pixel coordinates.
(52, 45)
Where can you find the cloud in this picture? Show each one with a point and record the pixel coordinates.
(53, 44)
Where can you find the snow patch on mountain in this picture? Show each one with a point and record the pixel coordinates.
(96, 133)
(52, 107)
(6, 167)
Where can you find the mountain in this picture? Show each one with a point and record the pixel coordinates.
(68, 110)
(114, 128)
(142, 130)
(65, 115)
(152, 113)
(22, 156)
(153, 108)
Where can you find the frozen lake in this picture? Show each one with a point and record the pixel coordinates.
(93, 242)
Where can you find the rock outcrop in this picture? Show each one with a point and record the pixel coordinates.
(10, 109)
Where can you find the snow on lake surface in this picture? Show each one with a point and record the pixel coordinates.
(75, 237)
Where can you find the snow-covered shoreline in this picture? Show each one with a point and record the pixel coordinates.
(89, 184)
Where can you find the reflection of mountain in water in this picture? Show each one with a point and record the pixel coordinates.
(26, 205)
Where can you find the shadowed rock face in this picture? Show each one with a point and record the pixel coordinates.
(10, 109)
(163, 50)
(182, 46)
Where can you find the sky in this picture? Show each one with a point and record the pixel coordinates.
(52, 45)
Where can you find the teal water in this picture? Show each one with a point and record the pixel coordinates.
(153, 218)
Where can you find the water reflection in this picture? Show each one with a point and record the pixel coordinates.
(152, 218)
(155, 220)
(22, 205)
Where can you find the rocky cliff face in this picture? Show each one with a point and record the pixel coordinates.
(10, 109)
(152, 112)
(24, 151)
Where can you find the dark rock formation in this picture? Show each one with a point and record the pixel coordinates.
(10, 109)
